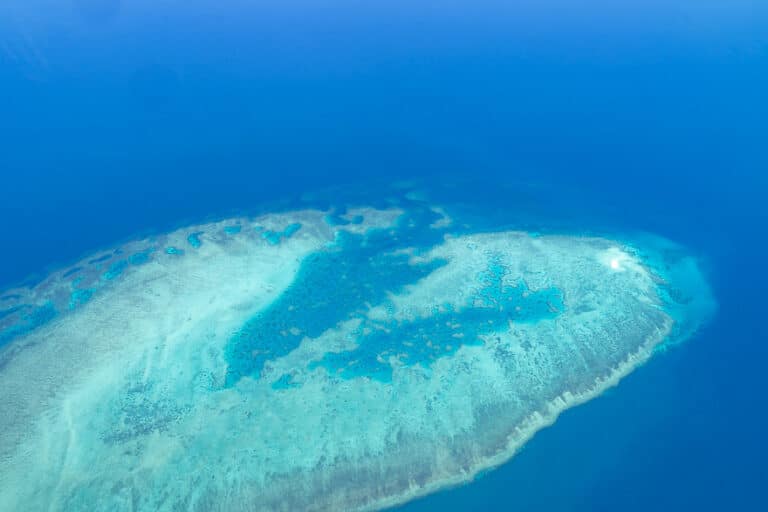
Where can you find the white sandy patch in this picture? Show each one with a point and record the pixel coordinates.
(444, 221)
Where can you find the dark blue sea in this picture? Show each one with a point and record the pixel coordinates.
(125, 117)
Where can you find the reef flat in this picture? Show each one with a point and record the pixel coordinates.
(317, 360)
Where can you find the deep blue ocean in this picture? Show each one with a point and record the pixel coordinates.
(125, 117)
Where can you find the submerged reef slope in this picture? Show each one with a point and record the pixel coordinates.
(315, 361)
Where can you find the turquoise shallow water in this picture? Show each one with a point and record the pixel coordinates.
(414, 346)
(335, 286)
